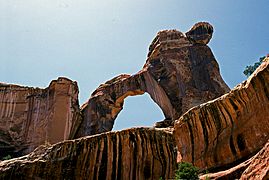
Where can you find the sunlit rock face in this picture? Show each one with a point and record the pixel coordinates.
(139, 153)
(211, 130)
(228, 129)
(188, 73)
(31, 116)
(180, 73)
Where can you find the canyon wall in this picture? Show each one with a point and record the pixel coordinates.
(228, 129)
(138, 153)
(31, 116)
(202, 126)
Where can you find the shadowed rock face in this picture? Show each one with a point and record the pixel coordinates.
(139, 153)
(259, 165)
(228, 129)
(30, 116)
(200, 33)
(179, 74)
(254, 168)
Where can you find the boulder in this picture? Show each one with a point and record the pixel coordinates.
(200, 33)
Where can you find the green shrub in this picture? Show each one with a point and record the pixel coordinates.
(251, 68)
(7, 157)
(186, 171)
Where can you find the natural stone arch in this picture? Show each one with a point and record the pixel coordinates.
(107, 101)
(180, 72)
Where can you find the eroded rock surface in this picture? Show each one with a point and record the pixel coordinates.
(228, 129)
(200, 33)
(30, 116)
(139, 153)
(257, 167)
(180, 72)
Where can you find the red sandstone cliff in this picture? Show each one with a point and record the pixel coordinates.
(181, 75)
(228, 129)
(139, 153)
(30, 116)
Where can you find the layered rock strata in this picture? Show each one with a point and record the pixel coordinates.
(30, 116)
(228, 129)
(139, 153)
(180, 72)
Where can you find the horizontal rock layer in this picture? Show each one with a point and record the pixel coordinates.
(140, 153)
(228, 129)
(32, 116)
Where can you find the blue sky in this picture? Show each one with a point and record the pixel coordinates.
(91, 41)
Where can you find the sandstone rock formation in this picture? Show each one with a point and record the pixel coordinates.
(200, 33)
(228, 129)
(30, 116)
(257, 167)
(180, 72)
(139, 153)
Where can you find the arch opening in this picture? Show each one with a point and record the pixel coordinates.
(138, 111)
